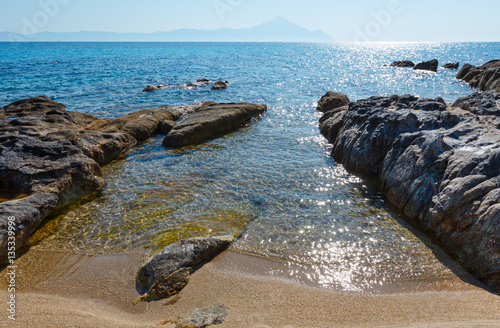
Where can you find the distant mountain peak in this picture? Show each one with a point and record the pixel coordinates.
(280, 19)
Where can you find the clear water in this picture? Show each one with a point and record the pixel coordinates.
(272, 182)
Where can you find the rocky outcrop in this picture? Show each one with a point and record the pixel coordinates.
(431, 65)
(50, 157)
(485, 77)
(168, 271)
(220, 85)
(210, 121)
(403, 63)
(451, 65)
(485, 103)
(441, 168)
(152, 88)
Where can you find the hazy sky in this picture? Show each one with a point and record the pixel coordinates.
(373, 20)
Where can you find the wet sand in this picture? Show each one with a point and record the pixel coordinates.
(57, 289)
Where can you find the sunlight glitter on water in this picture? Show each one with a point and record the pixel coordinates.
(272, 182)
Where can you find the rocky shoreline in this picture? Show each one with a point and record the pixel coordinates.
(50, 157)
(439, 164)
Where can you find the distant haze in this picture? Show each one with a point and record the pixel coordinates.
(277, 30)
(354, 20)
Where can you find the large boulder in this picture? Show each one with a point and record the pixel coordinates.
(403, 63)
(211, 121)
(332, 100)
(431, 65)
(440, 168)
(168, 271)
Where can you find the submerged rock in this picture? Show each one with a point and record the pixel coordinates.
(431, 65)
(403, 63)
(168, 271)
(211, 121)
(152, 88)
(441, 168)
(220, 85)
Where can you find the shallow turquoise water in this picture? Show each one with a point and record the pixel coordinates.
(272, 181)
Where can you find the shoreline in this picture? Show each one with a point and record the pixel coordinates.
(54, 290)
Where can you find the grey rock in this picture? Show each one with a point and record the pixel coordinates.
(220, 85)
(431, 65)
(330, 127)
(439, 168)
(32, 166)
(211, 121)
(152, 88)
(451, 66)
(205, 317)
(29, 213)
(403, 63)
(428, 105)
(332, 100)
(189, 254)
(406, 99)
(481, 103)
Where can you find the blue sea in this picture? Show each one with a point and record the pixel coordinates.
(273, 182)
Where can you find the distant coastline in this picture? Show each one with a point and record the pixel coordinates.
(277, 30)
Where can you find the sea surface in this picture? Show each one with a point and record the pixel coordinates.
(272, 183)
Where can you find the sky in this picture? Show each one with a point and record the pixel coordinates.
(346, 20)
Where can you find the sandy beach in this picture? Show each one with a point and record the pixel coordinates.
(71, 290)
